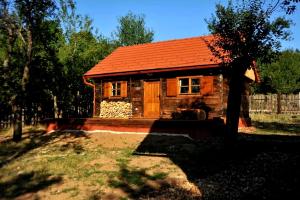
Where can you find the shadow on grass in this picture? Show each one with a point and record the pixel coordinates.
(27, 183)
(277, 127)
(255, 167)
(9, 150)
(138, 184)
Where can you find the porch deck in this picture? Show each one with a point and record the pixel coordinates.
(195, 129)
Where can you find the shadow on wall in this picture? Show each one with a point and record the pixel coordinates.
(196, 129)
(192, 109)
(65, 124)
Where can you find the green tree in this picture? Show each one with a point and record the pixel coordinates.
(132, 30)
(8, 37)
(44, 51)
(283, 75)
(81, 50)
(25, 30)
(244, 32)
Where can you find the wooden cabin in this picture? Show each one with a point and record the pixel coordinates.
(176, 79)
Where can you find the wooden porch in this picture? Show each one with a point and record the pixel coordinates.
(196, 129)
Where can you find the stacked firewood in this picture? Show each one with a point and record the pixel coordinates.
(115, 109)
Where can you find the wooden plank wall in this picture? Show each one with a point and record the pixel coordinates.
(98, 98)
(137, 98)
(213, 101)
(135, 88)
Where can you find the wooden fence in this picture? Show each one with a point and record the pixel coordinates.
(273, 103)
(7, 117)
(37, 115)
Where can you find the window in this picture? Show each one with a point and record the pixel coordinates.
(184, 85)
(189, 85)
(116, 89)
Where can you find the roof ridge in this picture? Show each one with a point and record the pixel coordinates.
(165, 41)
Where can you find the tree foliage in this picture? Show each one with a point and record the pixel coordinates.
(289, 5)
(26, 26)
(82, 52)
(281, 76)
(132, 30)
(45, 48)
(244, 32)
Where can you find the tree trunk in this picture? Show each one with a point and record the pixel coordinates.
(236, 86)
(56, 114)
(19, 103)
(16, 108)
(17, 123)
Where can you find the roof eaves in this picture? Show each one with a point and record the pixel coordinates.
(135, 72)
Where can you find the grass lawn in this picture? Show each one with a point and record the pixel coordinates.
(80, 165)
(276, 124)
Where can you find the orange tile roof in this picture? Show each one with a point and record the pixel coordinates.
(165, 55)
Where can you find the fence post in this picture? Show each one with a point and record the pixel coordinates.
(278, 103)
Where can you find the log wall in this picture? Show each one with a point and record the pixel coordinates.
(137, 97)
(211, 103)
(170, 106)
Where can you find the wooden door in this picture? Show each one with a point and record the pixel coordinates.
(151, 99)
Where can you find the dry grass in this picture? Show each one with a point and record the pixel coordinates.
(280, 118)
(78, 165)
(276, 124)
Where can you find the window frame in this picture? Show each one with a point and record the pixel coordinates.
(189, 85)
(116, 89)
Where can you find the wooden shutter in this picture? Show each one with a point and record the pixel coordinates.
(207, 85)
(172, 87)
(123, 88)
(107, 89)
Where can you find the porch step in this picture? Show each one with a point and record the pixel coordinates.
(196, 129)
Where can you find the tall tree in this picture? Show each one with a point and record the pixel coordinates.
(81, 50)
(24, 21)
(244, 32)
(132, 30)
(8, 35)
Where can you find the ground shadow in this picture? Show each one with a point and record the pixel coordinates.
(277, 127)
(30, 182)
(27, 183)
(254, 167)
(138, 184)
(32, 139)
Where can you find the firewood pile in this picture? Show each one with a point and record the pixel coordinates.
(115, 109)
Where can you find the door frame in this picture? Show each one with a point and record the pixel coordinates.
(159, 98)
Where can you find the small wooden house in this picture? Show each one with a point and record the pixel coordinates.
(176, 79)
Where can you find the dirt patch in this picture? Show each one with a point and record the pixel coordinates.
(80, 165)
(155, 164)
(111, 141)
(104, 163)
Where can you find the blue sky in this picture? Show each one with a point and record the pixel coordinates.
(169, 19)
